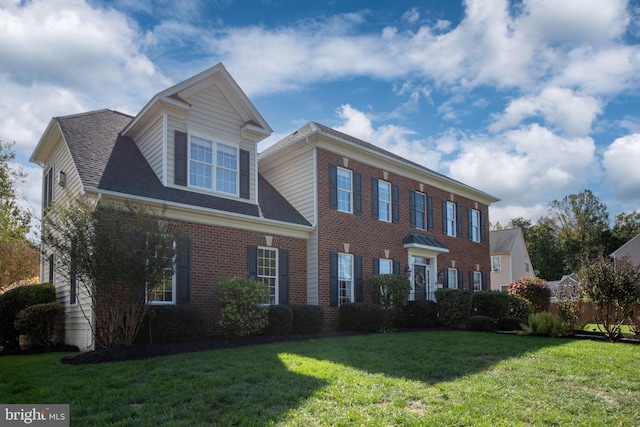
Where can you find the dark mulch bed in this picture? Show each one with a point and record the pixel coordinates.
(146, 351)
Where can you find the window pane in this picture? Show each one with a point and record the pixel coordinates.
(345, 278)
(268, 271)
(453, 278)
(386, 266)
(227, 157)
(226, 181)
(201, 150)
(384, 201)
(421, 211)
(451, 219)
(344, 190)
(201, 162)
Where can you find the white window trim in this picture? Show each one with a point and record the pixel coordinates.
(475, 225)
(174, 287)
(424, 197)
(386, 261)
(499, 258)
(479, 276)
(214, 142)
(386, 203)
(350, 172)
(451, 219)
(276, 277)
(350, 289)
(452, 272)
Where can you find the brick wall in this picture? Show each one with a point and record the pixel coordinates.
(369, 237)
(218, 252)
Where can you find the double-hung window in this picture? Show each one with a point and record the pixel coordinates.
(477, 281)
(421, 211)
(474, 225)
(452, 278)
(385, 266)
(268, 271)
(384, 201)
(345, 278)
(164, 290)
(345, 190)
(451, 219)
(496, 263)
(217, 172)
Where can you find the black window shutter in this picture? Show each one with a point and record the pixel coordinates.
(333, 186)
(485, 285)
(180, 158)
(333, 279)
(357, 193)
(444, 216)
(51, 268)
(483, 227)
(395, 200)
(460, 279)
(252, 262)
(283, 279)
(358, 277)
(445, 277)
(459, 219)
(73, 289)
(396, 267)
(430, 213)
(470, 223)
(376, 266)
(244, 174)
(182, 274)
(471, 280)
(374, 198)
(412, 205)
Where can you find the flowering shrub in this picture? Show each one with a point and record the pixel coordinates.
(533, 289)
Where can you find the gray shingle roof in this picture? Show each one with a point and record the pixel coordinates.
(108, 161)
(501, 241)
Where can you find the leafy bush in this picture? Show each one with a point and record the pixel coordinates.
(17, 299)
(362, 317)
(243, 306)
(546, 324)
(307, 319)
(481, 324)
(172, 323)
(520, 308)
(509, 324)
(280, 320)
(42, 322)
(420, 314)
(533, 289)
(491, 303)
(454, 307)
(392, 292)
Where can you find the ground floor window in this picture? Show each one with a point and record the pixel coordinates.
(452, 278)
(345, 278)
(385, 266)
(477, 281)
(268, 271)
(164, 291)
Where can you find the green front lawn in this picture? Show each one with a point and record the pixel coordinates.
(421, 378)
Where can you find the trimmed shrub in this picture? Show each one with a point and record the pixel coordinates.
(280, 320)
(172, 323)
(362, 317)
(509, 324)
(454, 307)
(481, 324)
(533, 289)
(420, 314)
(494, 304)
(244, 310)
(42, 322)
(520, 308)
(546, 324)
(307, 319)
(17, 299)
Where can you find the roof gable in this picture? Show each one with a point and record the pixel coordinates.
(502, 241)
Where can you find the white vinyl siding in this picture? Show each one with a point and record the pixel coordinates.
(149, 141)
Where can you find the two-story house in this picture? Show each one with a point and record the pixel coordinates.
(510, 259)
(311, 217)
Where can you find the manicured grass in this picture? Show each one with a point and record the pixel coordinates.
(413, 379)
(593, 327)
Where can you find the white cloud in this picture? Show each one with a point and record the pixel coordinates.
(560, 108)
(621, 160)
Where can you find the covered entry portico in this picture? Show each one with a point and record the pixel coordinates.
(422, 265)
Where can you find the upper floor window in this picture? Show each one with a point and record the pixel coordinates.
(47, 190)
(384, 201)
(450, 221)
(474, 225)
(496, 263)
(219, 172)
(421, 210)
(345, 190)
(268, 271)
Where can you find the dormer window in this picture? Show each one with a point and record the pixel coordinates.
(217, 172)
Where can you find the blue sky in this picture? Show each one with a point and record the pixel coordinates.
(526, 100)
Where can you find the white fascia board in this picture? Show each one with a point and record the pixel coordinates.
(188, 213)
(426, 248)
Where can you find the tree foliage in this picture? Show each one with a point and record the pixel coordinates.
(14, 220)
(614, 288)
(19, 260)
(545, 251)
(533, 289)
(114, 254)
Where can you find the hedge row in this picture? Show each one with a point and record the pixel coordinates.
(13, 302)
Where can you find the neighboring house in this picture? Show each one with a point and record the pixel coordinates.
(509, 258)
(568, 285)
(313, 216)
(630, 250)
